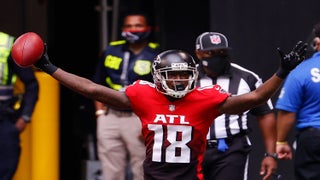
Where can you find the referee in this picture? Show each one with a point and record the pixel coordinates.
(228, 144)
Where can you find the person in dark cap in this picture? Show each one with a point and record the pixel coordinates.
(228, 144)
(298, 106)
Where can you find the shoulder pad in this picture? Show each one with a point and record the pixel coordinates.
(153, 45)
(114, 43)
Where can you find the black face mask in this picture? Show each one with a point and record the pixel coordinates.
(216, 64)
(134, 37)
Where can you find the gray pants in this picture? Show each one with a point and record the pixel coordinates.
(120, 143)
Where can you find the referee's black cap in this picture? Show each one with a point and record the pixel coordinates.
(211, 41)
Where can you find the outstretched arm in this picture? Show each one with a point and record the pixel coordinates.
(84, 86)
(92, 90)
(241, 103)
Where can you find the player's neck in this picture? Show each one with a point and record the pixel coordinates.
(171, 99)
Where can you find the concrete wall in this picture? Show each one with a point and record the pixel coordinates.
(19, 16)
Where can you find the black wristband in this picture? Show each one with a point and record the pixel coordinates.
(282, 73)
(45, 65)
(49, 68)
(273, 155)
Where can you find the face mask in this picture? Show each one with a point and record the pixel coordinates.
(217, 64)
(134, 37)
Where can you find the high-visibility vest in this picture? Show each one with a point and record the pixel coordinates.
(7, 79)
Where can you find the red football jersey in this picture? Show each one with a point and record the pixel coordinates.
(175, 132)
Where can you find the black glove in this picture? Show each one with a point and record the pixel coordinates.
(44, 63)
(292, 59)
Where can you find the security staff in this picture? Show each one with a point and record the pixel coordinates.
(118, 131)
(298, 108)
(15, 110)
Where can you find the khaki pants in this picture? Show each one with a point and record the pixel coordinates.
(118, 142)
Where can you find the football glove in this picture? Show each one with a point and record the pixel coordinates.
(44, 63)
(292, 59)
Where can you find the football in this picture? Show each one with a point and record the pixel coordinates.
(27, 49)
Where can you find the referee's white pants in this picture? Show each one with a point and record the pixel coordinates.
(118, 142)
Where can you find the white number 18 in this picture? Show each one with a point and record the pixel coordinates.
(178, 137)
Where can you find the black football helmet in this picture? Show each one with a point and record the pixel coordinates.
(177, 61)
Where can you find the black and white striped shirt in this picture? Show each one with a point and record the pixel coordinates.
(237, 81)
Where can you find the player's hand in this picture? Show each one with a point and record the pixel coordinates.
(284, 151)
(21, 125)
(44, 63)
(268, 168)
(292, 59)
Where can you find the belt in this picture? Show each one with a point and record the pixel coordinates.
(6, 92)
(120, 113)
(213, 143)
(309, 129)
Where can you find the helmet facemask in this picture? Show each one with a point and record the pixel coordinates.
(176, 87)
(174, 73)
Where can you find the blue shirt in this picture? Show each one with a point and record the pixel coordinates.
(301, 93)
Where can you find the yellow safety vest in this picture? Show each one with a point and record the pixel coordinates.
(6, 82)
